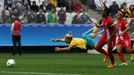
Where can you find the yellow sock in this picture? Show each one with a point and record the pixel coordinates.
(132, 56)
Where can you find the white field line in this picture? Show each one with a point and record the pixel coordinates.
(36, 73)
(87, 31)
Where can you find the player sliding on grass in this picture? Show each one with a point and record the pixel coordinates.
(123, 40)
(84, 43)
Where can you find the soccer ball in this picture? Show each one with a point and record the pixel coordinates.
(11, 63)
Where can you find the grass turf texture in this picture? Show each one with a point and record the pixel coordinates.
(62, 64)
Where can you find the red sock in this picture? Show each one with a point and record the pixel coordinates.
(111, 56)
(121, 56)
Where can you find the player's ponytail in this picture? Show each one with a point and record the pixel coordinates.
(69, 35)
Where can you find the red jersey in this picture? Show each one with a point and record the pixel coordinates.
(108, 32)
(108, 28)
(121, 27)
(125, 40)
(16, 28)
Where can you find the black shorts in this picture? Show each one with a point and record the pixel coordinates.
(16, 39)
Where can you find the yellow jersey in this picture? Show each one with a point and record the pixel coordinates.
(78, 43)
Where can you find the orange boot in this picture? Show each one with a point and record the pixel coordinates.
(111, 65)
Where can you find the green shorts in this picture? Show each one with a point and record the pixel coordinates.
(90, 41)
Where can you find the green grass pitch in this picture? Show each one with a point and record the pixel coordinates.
(62, 64)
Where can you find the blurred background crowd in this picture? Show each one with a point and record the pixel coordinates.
(56, 11)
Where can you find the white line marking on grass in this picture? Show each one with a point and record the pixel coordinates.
(36, 73)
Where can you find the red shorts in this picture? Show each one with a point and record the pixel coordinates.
(112, 41)
(103, 39)
(125, 42)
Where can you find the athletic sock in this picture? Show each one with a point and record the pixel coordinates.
(132, 56)
(111, 56)
(121, 56)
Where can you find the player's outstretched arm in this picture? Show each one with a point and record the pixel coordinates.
(58, 40)
(99, 24)
(63, 49)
